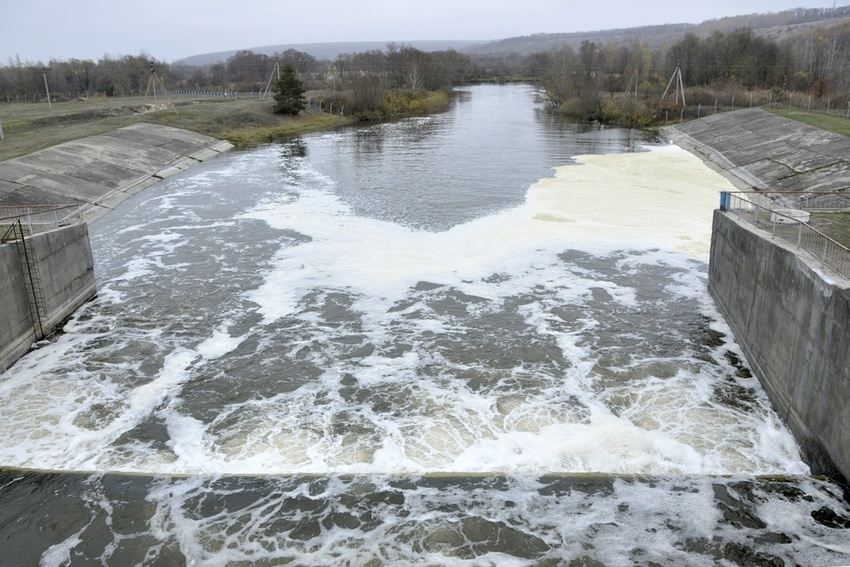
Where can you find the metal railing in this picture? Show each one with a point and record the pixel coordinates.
(766, 213)
(819, 201)
(39, 218)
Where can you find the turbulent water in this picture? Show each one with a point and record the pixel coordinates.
(390, 344)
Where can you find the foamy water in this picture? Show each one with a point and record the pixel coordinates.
(333, 351)
(412, 373)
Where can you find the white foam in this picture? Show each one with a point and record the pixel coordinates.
(572, 421)
(59, 554)
(220, 343)
(640, 200)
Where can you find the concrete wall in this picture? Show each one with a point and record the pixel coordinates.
(66, 267)
(793, 322)
(16, 329)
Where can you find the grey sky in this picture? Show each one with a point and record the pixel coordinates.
(171, 29)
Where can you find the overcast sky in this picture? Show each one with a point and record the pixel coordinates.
(172, 29)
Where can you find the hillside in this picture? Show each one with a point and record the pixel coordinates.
(776, 26)
(326, 50)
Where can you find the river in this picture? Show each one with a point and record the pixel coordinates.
(406, 343)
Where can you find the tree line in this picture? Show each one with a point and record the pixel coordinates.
(606, 82)
(397, 67)
(589, 82)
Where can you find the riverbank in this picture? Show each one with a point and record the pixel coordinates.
(787, 311)
(98, 172)
(757, 149)
(244, 122)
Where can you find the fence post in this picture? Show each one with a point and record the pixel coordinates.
(2, 136)
(715, 106)
(790, 96)
(699, 110)
(828, 102)
(751, 100)
(770, 100)
(733, 103)
(799, 233)
(809, 107)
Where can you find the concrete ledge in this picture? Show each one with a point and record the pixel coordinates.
(792, 321)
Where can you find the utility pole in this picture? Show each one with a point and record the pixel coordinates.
(153, 81)
(268, 88)
(676, 79)
(46, 88)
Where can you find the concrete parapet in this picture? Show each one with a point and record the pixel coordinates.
(63, 260)
(792, 321)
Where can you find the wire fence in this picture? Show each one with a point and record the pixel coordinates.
(703, 102)
(38, 218)
(790, 224)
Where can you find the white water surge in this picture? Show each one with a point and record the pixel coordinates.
(536, 339)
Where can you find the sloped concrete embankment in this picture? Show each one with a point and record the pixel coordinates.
(63, 260)
(99, 172)
(757, 149)
(793, 322)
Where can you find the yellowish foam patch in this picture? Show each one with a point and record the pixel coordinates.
(663, 197)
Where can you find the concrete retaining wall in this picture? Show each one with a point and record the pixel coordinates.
(793, 322)
(64, 261)
(16, 328)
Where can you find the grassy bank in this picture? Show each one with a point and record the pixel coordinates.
(30, 127)
(830, 122)
(834, 225)
(244, 122)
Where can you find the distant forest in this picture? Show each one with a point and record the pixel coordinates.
(582, 81)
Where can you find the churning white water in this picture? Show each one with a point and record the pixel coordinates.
(411, 394)
(409, 344)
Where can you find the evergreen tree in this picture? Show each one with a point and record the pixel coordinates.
(289, 92)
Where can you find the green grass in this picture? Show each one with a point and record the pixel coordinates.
(244, 122)
(834, 225)
(32, 126)
(838, 124)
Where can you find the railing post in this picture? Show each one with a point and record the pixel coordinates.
(724, 200)
(799, 233)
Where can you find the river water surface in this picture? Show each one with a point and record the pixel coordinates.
(392, 345)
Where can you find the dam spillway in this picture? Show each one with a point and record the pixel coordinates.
(380, 344)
